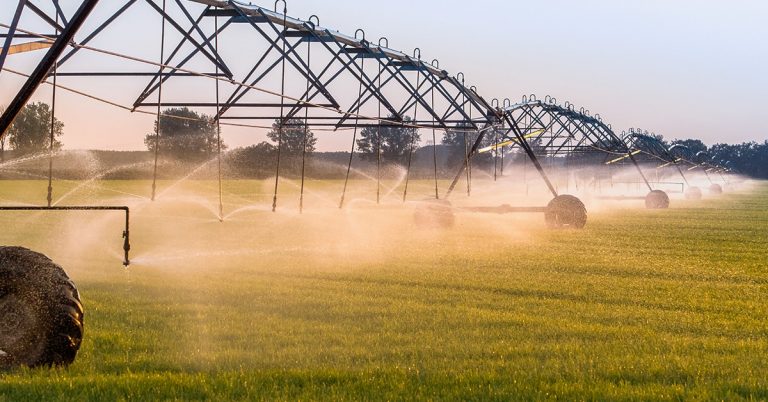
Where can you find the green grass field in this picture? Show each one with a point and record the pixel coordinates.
(361, 305)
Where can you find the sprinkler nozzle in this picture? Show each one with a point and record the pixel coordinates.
(126, 248)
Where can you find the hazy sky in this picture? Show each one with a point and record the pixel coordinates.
(681, 68)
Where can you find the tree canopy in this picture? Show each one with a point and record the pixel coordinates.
(31, 130)
(293, 141)
(393, 142)
(749, 158)
(454, 139)
(185, 135)
(695, 146)
(253, 161)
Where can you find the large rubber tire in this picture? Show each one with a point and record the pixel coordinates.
(693, 193)
(715, 189)
(40, 311)
(566, 211)
(657, 199)
(434, 214)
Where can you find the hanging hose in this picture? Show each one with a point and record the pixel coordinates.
(53, 128)
(434, 144)
(412, 139)
(159, 104)
(501, 149)
(306, 132)
(464, 134)
(282, 109)
(354, 138)
(495, 153)
(469, 158)
(378, 146)
(218, 125)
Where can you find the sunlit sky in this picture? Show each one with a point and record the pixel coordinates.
(680, 68)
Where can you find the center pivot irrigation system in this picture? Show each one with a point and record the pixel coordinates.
(678, 158)
(250, 66)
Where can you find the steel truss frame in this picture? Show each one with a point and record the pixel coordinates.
(658, 154)
(403, 89)
(543, 128)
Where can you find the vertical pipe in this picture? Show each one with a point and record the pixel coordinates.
(306, 131)
(218, 122)
(495, 152)
(475, 147)
(354, 137)
(52, 138)
(127, 237)
(434, 145)
(378, 146)
(412, 140)
(501, 150)
(159, 102)
(282, 110)
(469, 162)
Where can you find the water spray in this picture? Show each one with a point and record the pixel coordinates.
(126, 232)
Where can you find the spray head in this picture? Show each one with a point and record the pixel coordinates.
(126, 248)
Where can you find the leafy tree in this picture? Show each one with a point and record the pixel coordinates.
(394, 142)
(454, 139)
(186, 135)
(31, 130)
(695, 146)
(255, 161)
(293, 140)
(750, 158)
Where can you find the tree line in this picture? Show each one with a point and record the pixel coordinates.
(748, 158)
(186, 135)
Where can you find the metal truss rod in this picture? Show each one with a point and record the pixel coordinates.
(45, 17)
(10, 36)
(524, 143)
(98, 30)
(45, 65)
(472, 151)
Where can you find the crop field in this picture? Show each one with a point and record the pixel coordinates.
(359, 304)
